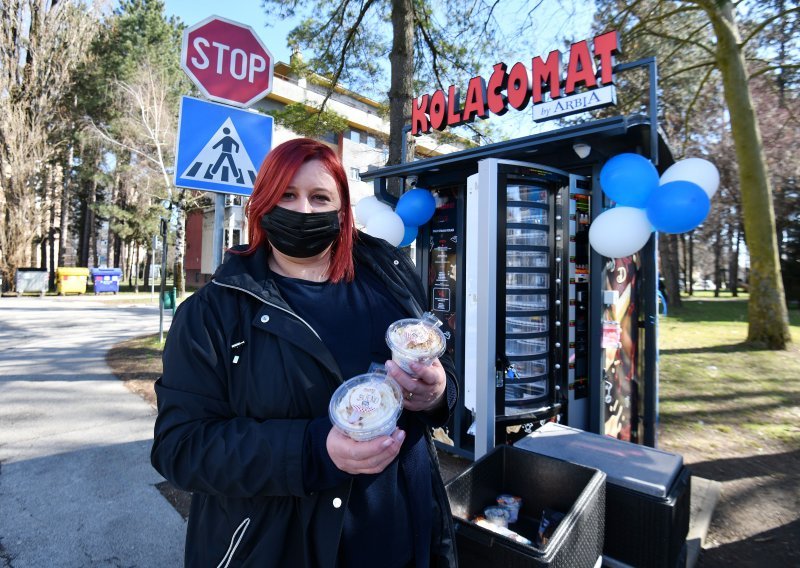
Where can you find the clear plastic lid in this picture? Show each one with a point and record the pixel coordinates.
(414, 339)
(366, 406)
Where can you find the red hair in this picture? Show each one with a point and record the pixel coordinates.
(277, 171)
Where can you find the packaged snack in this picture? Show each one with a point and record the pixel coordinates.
(366, 406)
(512, 503)
(414, 339)
(496, 515)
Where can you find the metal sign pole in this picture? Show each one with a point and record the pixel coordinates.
(219, 226)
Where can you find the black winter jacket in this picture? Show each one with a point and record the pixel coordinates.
(243, 377)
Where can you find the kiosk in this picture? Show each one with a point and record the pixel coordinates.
(540, 326)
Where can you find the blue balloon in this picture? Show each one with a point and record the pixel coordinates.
(416, 207)
(677, 207)
(629, 179)
(409, 236)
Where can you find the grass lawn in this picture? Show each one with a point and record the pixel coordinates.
(711, 381)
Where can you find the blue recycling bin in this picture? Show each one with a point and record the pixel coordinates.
(106, 279)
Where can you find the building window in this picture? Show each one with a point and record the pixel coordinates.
(371, 141)
(232, 238)
(355, 136)
(329, 137)
(354, 174)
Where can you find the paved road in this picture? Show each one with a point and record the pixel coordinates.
(76, 485)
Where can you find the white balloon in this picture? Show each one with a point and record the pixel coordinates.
(386, 225)
(620, 231)
(369, 206)
(696, 170)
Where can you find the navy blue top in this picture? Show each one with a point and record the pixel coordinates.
(386, 511)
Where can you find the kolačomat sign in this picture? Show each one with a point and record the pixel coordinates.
(553, 92)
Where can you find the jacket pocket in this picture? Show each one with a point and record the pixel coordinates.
(236, 539)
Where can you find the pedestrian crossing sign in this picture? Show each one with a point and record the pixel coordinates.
(220, 148)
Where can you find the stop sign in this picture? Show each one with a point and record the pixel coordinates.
(227, 61)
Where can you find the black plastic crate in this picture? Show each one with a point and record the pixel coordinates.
(647, 493)
(543, 483)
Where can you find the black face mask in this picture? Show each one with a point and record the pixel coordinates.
(300, 235)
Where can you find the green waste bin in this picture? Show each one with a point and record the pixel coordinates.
(169, 299)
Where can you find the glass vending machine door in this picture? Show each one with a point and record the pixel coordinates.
(515, 297)
(527, 268)
(531, 292)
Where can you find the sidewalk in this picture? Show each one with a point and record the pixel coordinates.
(76, 485)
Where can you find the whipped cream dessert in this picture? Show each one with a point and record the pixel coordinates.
(415, 340)
(366, 406)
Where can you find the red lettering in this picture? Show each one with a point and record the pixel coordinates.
(419, 116)
(438, 109)
(519, 91)
(546, 73)
(453, 112)
(606, 46)
(580, 69)
(498, 82)
(475, 105)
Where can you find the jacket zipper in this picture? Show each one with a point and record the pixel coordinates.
(259, 298)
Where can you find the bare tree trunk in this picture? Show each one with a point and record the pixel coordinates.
(89, 233)
(47, 218)
(733, 263)
(690, 281)
(129, 261)
(670, 267)
(63, 241)
(717, 264)
(768, 318)
(149, 263)
(685, 261)
(178, 276)
(402, 84)
(136, 270)
(52, 233)
(111, 248)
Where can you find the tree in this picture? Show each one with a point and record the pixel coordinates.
(146, 127)
(713, 33)
(41, 46)
(768, 319)
(132, 105)
(347, 39)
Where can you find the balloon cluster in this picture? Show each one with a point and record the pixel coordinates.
(399, 227)
(677, 202)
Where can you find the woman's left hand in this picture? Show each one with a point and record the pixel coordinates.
(425, 390)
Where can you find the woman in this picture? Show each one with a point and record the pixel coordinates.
(250, 364)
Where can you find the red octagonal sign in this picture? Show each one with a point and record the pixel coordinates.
(227, 61)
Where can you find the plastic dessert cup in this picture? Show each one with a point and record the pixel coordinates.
(511, 503)
(366, 406)
(496, 515)
(415, 340)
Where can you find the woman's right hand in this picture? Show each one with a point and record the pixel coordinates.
(363, 457)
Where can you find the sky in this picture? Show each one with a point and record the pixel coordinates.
(247, 12)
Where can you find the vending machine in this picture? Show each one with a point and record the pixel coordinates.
(528, 251)
(540, 326)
